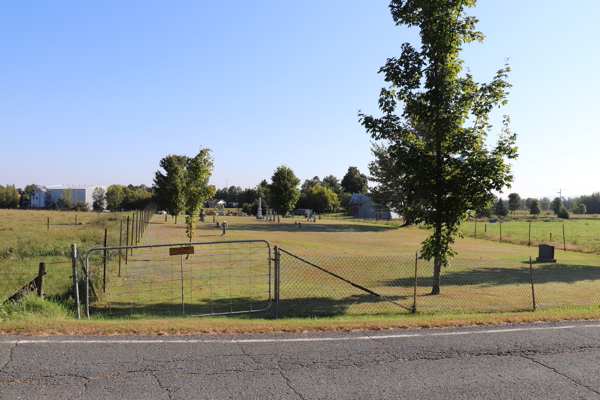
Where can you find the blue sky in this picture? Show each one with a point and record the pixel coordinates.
(98, 92)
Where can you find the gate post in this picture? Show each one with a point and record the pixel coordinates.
(277, 279)
(75, 283)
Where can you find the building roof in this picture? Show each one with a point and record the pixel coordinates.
(359, 199)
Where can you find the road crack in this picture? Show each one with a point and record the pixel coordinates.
(561, 374)
(289, 384)
(10, 356)
(160, 385)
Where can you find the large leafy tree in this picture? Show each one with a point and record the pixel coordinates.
(534, 208)
(514, 201)
(184, 185)
(9, 196)
(99, 197)
(355, 182)
(500, 208)
(556, 205)
(114, 197)
(332, 183)
(169, 186)
(322, 198)
(283, 190)
(196, 189)
(447, 166)
(310, 183)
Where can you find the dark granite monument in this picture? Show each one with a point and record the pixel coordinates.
(546, 254)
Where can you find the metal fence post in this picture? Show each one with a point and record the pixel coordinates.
(414, 308)
(40, 282)
(182, 298)
(127, 240)
(105, 255)
(277, 279)
(532, 282)
(120, 244)
(87, 286)
(75, 281)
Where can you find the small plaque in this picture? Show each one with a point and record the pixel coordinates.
(176, 251)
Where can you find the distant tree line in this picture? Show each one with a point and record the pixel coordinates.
(280, 194)
(9, 196)
(587, 204)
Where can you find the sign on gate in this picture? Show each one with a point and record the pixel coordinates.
(176, 251)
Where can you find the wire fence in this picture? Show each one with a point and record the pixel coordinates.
(231, 278)
(403, 284)
(574, 235)
(16, 274)
(192, 279)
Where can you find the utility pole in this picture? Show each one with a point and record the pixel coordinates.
(560, 194)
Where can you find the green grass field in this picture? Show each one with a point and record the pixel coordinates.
(486, 276)
(26, 240)
(580, 235)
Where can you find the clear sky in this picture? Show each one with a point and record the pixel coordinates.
(98, 92)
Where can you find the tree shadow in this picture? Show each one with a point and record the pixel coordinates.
(310, 227)
(303, 307)
(498, 276)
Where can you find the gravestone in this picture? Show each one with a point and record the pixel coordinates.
(222, 212)
(546, 254)
(259, 212)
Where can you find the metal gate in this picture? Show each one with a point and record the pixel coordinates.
(179, 279)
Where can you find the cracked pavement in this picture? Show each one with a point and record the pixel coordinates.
(550, 361)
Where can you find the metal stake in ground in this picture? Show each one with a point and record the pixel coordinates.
(105, 245)
(75, 282)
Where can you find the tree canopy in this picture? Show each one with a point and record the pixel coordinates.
(184, 185)
(534, 207)
(283, 190)
(514, 201)
(438, 141)
(355, 182)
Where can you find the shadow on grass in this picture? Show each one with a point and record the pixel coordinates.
(304, 307)
(498, 276)
(310, 227)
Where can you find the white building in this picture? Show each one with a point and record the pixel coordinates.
(46, 196)
(362, 206)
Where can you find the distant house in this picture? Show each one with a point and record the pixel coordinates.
(46, 196)
(362, 206)
(215, 203)
(232, 204)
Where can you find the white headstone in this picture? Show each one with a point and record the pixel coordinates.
(259, 213)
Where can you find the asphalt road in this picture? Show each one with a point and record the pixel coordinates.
(545, 361)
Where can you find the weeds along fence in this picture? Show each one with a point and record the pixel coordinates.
(340, 285)
(19, 263)
(57, 283)
(578, 235)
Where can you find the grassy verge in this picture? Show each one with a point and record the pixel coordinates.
(37, 320)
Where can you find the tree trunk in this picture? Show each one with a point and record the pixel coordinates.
(437, 262)
(437, 269)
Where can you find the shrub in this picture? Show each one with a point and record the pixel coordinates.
(563, 213)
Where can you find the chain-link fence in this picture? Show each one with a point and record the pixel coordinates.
(340, 285)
